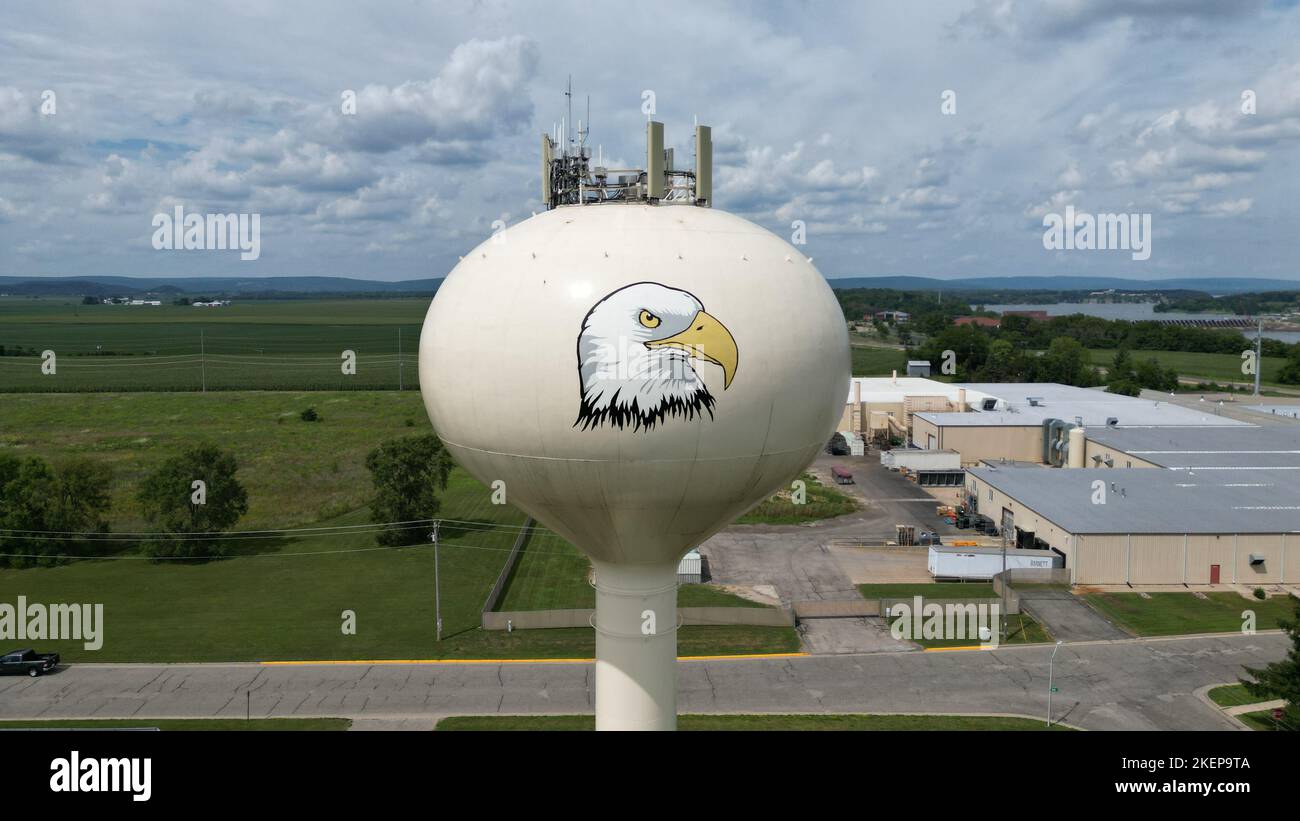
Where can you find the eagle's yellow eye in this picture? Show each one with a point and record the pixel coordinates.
(648, 319)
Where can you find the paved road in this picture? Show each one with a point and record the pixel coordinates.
(1122, 685)
(1066, 616)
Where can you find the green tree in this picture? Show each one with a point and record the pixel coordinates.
(1064, 361)
(187, 518)
(1281, 679)
(44, 511)
(408, 474)
(1289, 374)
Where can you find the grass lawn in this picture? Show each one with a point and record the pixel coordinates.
(288, 605)
(552, 575)
(873, 361)
(1232, 695)
(761, 722)
(1219, 367)
(822, 502)
(944, 590)
(257, 724)
(1021, 629)
(1168, 614)
(1262, 720)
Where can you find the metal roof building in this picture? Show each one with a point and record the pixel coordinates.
(1011, 427)
(1218, 448)
(1150, 526)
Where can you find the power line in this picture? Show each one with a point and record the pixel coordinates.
(278, 533)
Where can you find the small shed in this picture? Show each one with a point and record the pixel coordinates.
(690, 570)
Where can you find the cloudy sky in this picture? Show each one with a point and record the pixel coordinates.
(829, 113)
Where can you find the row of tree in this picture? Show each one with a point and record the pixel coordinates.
(51, 513)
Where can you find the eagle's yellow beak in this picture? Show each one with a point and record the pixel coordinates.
(708, 339)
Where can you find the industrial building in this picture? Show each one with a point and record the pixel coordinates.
(1012, 426)
(1244, 447)
(1149, 526)
(1123, 490)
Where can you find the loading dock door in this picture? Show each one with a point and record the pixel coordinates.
(1214, 574)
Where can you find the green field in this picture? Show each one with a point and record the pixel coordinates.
(250, 345)
(185, 724)
(1219, 367)
(874, 361)
(1168, 614)
(296, 472)
(760, 722)
(282, 595)
(943, 590)
(821, 502)
(552, 575)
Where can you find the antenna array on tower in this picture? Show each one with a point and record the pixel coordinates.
(570, 178)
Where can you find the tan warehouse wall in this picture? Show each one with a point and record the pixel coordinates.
(1152, 559)
(847, 418)
(1178, 559)
(1120, 458)
(976, 442)
(992, 501)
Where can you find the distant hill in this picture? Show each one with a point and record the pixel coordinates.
(1211, 285)
(78, 286)
(299, 285)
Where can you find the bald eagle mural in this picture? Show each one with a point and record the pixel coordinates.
(637, 353)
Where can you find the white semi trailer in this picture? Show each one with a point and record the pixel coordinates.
(976, 563)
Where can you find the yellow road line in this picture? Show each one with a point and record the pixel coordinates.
(959, 648)
(512, 661)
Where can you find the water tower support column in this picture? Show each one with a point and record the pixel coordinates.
(636, 646)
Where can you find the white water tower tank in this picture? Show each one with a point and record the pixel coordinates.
(639, 376)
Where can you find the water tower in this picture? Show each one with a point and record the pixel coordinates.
(639, 369)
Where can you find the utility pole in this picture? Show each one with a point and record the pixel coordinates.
(1259, 358)
(437, 588)
(1050, 688)
(1004, 583)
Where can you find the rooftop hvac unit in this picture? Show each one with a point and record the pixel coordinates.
(1034, 401)
(1256, 560)
(1112, 421)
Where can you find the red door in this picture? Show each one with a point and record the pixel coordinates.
(1214, 574)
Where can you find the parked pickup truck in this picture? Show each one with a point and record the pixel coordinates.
(27, 663)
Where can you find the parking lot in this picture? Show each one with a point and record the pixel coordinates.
(824, 561)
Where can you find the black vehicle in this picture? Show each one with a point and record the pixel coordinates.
(837, 446)
(27, 663)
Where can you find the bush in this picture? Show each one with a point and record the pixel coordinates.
(310, 415)
(186, 528)
(54, 505)
(1260, 594)
(408, 474)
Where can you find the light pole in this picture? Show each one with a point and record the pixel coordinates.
(437, 587)
(1050, 688)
